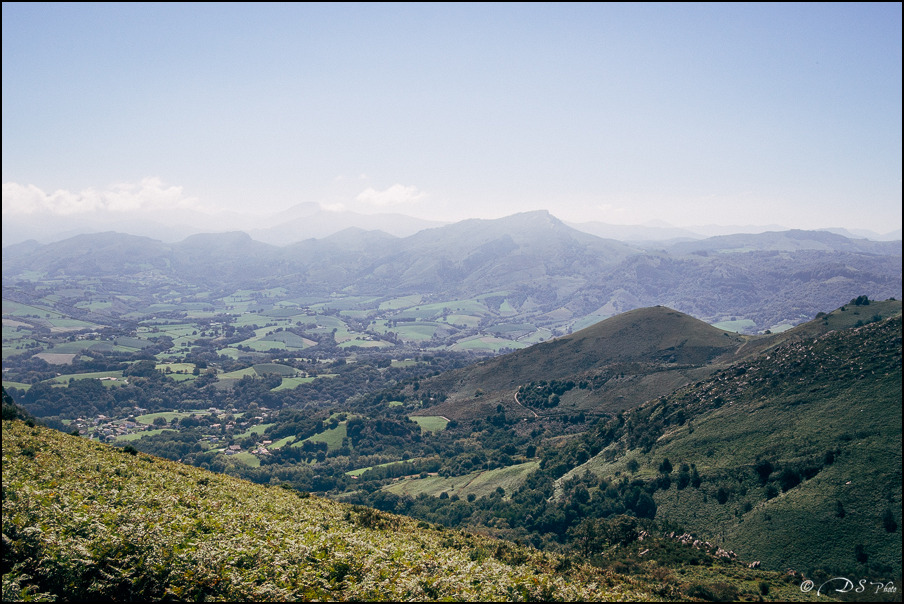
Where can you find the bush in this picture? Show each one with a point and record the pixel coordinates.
(888, 521)
(763, 469)
(789, 478)
(716, 592)
(722, 495)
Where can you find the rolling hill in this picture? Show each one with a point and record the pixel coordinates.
(626, 360)
(796, 450)
(538, 269)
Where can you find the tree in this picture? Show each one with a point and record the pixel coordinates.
(665, 467)
(888, 521)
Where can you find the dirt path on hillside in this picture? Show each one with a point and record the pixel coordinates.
(522, 406)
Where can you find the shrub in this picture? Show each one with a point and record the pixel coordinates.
(888, 521)
(789, 478)
(716, 592)
(722, 495)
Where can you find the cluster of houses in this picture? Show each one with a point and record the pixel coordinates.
(106, 429)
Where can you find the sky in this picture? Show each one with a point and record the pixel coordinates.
(685, 114)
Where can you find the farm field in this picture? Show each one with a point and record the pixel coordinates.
(479, 484)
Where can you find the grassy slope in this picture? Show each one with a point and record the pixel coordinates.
(86, 521)
(658, 348)
(839, 392)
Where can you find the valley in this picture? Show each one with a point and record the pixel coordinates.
(552, 410)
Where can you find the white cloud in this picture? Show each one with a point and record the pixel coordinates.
(148, 195)
(395, 195)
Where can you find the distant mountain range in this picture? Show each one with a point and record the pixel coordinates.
(538, 267)
(309, 220)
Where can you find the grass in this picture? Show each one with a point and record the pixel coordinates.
(289, 383)
(142, 434)
(332, 437)
(481, 484)
(258, 429)
(839, 394)
(169, 416)
(85, 521)
(360, 471)
(488, 343)
(399, 303)
(430, 423)
(64, 379)
(249, 459)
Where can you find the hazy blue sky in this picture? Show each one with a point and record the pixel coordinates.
(689, 113)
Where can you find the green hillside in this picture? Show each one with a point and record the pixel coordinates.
(84, 521)
(792, 457)
(629, 358)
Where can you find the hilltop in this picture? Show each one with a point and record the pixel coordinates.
(617, 363)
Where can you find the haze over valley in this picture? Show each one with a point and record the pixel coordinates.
(472, 302)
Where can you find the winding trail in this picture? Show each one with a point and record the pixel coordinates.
(521, 405)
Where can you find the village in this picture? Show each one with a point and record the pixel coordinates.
(220, 428)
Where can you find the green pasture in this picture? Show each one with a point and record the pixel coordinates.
(506, 308)
(17, 309)
(332, 437)
(19, 385)
(149, 418)
(290, 339)
(487, 343)
(57, 358)
(481, 484)
(142, 434)
(249, 459)
(176, 367)
(232, 353)
(95, 305)
(64, 379)
(238, 374)
(290, 383)
(540, 335)
(469, 321)
(69, 325)
(282, 442)
(360, 471)
(417, 313)
(430, 423)
(399, 303)
(362, 343)
(84, 345)
(283, 370)
(136, 343)
(417, 331)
